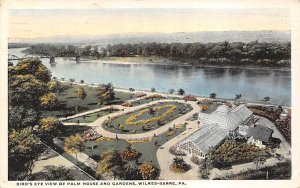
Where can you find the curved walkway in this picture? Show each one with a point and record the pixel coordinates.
(165, 158)
(180, 120)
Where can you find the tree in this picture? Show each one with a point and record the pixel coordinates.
(131, 90)
(26, 90)
(81, 93)
(32, 67)
(23, 149)
(56, 173)
(171, 91)
(48, 128)
(212, 95)
(49, 100)
(106, 93)
(53, 86)
(266, 99)
(20, 117)
(180, 91)
(238, 96)
(152, 89)
(74, 144)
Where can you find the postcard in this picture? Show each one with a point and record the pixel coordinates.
(149, 93)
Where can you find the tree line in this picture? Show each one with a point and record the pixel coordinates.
(239, 53)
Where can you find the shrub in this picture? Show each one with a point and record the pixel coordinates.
(129, 153)
(175, 151)
(179, 165)
(148, 171)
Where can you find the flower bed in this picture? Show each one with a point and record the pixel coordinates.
(130, 120)
(129, 153)
(179, 165)
(155, 96)
(190, 98)
(284, 126)
(139, 140)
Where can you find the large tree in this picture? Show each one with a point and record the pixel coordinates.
(74, 144)
(106, 93)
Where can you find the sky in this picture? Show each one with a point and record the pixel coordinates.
(41, 23)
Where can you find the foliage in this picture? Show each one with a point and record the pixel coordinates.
(48, 125)
(279, 171)
(20, 117)
(81, 93)
(271, 113)
(26, 90)
(171, 91)
(204, 107)
(23, 147)
(180, 91)
(33, 67)
(49, 100)
(109, 164)
(73, 144)
(179, 165)
(235, 152)
(252, 53)
(106, 93)
(152, 89)
(131, 89)
(284, 126)
(148, 171)
(175, 151)
(212, 95)
(59, 173)
(131, 119)
(129, 153)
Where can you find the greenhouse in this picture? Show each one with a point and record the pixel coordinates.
(217, 126)
(200, 142)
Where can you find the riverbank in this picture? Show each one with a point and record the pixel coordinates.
(153, 60)
(168, 95)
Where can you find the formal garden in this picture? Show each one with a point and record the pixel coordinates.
(146, 119)
(134, 154)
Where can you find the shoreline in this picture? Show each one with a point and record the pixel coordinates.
(199, 97)
(235, 67)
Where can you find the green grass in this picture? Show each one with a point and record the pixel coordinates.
(147, 149)
(130, 129)
(68, 99)
(90, 117)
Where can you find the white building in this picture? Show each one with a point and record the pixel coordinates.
(217, 126)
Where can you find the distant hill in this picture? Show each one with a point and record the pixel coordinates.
(203, 37)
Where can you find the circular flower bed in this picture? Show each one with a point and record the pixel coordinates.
(131, 119)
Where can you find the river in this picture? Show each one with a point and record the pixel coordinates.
(254, 85)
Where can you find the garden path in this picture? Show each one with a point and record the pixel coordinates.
(180, 120)
(119, 107)
(165, 158)
(82, 157)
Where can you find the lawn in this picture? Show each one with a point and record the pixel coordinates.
(90, 117)
(68, 100)
(141, 121)
(147, 149)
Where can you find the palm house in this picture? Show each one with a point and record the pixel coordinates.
(217, 126)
